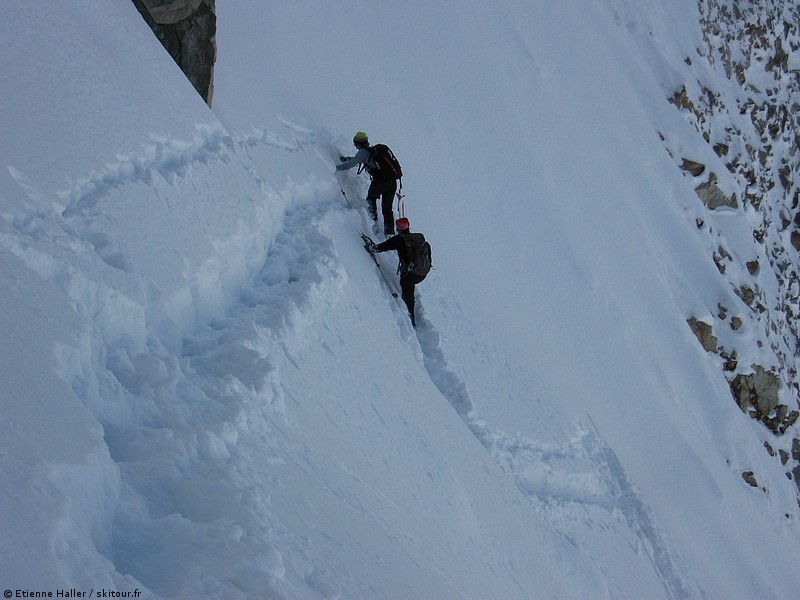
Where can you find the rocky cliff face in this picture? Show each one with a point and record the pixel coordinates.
(187, 29)
(745, 103)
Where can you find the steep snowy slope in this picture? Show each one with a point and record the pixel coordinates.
(567, 254)
(209, 391)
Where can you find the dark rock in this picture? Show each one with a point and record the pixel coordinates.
(747, 294)
(187, 30)
(758, 390)
(750, 478)
(713, 197)
(704, 334)
(693, 167)
(794, 238)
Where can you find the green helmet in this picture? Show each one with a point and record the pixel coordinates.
(360, 138)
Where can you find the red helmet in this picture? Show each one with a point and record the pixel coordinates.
(402, 224)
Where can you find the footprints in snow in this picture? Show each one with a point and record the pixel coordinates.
(184, 470)
(167, 158)
(565, 482)
(564, 474)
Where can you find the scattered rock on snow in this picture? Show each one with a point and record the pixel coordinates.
(704, 334)
(758, 390)
(750, 478)
(713, 197)
(693, 167)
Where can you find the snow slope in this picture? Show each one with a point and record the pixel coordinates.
(210, 392)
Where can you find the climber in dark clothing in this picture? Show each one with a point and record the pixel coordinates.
(408, 279)
(381, 187)
(385, 189)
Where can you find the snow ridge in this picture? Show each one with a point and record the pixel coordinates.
(227, 397)
(222, 396)
(168, 157)
(176, 425)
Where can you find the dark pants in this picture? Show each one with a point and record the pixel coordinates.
(407, 283)
(384, 189)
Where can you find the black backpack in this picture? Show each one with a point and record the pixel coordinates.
(418, 254)
(388, 165)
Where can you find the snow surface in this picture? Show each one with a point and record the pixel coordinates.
(209, 392)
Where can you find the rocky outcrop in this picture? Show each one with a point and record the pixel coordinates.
(704, 334)
(754, 134)
(169, 12)
(757, 391)
(708, 191)
(712, 196)
(187, 29)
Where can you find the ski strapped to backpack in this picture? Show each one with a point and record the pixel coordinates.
(418, 254)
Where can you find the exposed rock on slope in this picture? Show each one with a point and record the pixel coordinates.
(187, 29)
(754, 131)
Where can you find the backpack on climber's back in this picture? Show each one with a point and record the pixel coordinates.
(388, 165)
(418, 254)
